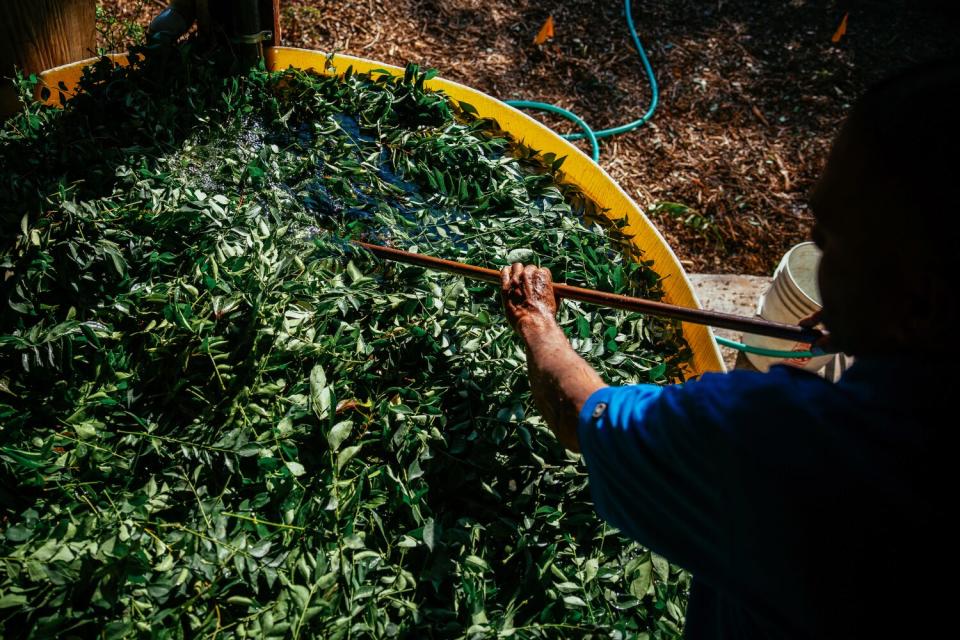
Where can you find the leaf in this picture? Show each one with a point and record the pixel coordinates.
(248, 450)
(841, 30)
(354, 273)
(525, 256)
(318, 380)
(591, 567)
(301, 595)
(344, 456)
(477, 562)
(8, 600)
(319, 393)
(643, 580)
(339, 433)
(429, 533)
(295, 468)
(86, 431)
(260, 549)
(574, 601)
(545, 33)
(17, 533)
(661, 567)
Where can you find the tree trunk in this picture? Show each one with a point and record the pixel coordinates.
(39, 34)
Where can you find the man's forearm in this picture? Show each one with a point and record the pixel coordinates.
(560, 380)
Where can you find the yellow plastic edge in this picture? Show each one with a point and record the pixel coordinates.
(578, 169)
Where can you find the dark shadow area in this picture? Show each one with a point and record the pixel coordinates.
(122, 114)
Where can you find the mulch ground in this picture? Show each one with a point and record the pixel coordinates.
(752, 90)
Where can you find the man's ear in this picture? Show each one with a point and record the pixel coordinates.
(927, 314)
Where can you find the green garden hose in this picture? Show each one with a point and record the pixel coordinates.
(588, 132)
(569, 115)
(770, 353)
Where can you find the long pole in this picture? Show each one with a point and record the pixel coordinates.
(743, 324)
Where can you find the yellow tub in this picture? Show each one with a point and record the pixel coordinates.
(578, 169)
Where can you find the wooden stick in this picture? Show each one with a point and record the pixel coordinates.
(743, 324)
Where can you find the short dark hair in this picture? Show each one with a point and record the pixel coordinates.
(909, 126)
(905, 134)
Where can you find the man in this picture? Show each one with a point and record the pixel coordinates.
(804, 509)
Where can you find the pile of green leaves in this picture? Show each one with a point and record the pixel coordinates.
(217, 418)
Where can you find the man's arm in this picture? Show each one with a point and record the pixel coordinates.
(693, 471)
(561, 381)
(655, 468)
(659, 470)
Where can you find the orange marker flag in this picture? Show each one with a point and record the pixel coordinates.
(546, 31)
(841, 30)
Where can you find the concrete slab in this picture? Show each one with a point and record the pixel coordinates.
(730, 293)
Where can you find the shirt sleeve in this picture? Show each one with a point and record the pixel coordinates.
(657, 472)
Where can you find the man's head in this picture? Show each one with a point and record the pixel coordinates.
(886, 212)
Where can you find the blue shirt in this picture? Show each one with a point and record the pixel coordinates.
(803, 508)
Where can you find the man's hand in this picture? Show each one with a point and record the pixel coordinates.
(560, 380)
(825, 342)
(528, 296)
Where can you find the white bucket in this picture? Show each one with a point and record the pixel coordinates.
(793, 295)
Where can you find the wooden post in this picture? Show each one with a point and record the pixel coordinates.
(39, 34)
(272, 18)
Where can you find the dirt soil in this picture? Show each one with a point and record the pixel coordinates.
(752, 91)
